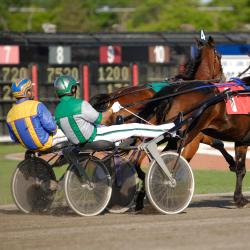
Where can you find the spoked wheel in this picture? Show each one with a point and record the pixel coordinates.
(123, 187)
(88, 198)
(31, 185)
(165, 197)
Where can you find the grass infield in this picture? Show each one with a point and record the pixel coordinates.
(206, 181)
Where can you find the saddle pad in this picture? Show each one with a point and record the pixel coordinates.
(237, 105)
(157, 86)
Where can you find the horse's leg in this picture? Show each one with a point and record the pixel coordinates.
(240, 156)
(137, 160)
(219, 145)
(191, 148)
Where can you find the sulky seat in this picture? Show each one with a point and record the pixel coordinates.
(97, 146)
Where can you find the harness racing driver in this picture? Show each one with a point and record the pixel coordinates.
(81, 123)
(29, 122)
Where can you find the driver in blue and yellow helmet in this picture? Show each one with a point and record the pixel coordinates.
(30, 122)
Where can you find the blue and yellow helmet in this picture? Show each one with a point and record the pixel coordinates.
(20, 88)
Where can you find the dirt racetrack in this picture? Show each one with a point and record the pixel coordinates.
(210, 222)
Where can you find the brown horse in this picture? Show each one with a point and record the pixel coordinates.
(204, 110)
(206, 66)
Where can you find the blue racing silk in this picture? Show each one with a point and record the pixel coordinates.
(31, 124)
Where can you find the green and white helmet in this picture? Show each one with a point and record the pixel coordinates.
(63, 85)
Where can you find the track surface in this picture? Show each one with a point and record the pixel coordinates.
(210, 222)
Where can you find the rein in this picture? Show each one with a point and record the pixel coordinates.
(243, 72)
(215, 99)
(200, 109)
(123, 94)
(226, 94)
(179, 82)
(166, 96)
(139, 90)
(184, 92)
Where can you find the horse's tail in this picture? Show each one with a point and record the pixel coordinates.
(100, 102)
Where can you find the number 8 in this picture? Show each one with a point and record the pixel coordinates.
(59, 55)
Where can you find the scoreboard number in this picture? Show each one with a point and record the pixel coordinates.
(53, 72)
(7, 92)
(114, 74)
(10, 74)
(159, 54)
(110, 54)
(9, 54)
(111, 87)
(59, 55)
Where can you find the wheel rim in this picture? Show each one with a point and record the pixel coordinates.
(84, 199)
(166, 198)
(30, 186)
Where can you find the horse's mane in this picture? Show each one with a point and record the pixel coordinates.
(150, 108)
(190, 68)
(100, 102)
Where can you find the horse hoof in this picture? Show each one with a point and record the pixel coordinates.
(139, 206)
(140, 201)
(137, 211)
(242, 203)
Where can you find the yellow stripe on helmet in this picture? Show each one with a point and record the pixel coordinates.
(23, 91)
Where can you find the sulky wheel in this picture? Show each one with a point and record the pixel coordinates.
(31, 185)
(88, 198)
(124, 187)
(164, 196)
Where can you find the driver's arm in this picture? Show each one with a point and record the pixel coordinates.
(46, 119)
(91, 115)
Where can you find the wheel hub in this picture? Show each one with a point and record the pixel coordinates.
(172, 183)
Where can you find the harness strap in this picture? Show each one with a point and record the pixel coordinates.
(243, 72)
(200, 109)
(183, 92)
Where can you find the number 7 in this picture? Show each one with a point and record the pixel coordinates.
(7, 53)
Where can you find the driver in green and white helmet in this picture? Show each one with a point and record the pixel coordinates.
(80, 122)
(64, 85)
